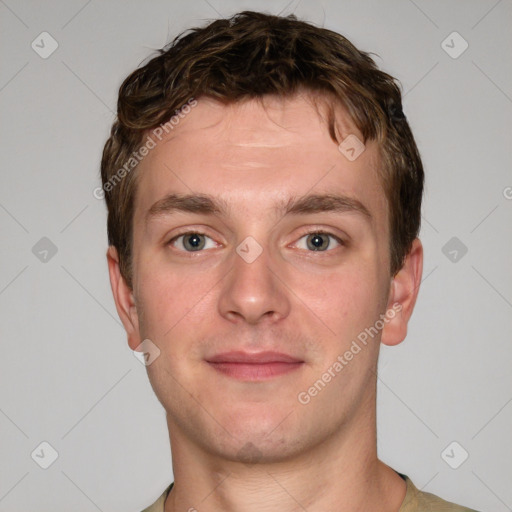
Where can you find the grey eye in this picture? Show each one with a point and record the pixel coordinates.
(192, 242)
(319, 241)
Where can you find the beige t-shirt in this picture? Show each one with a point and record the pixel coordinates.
(414, 501)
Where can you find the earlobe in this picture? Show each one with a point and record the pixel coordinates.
(404, 290)
(124, 299)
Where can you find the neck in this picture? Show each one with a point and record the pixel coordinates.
(342, 473)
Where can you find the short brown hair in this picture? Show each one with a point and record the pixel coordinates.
(251, 55)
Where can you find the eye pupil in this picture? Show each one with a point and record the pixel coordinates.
(318, 241)
(193, 242)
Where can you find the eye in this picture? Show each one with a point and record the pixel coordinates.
(191, 241)
(319, 241)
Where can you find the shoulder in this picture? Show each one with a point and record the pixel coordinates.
(158, 505)
(418, 501)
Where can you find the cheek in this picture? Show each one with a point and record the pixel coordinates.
(347, 302)
(161, 296)
(347, 289)
(358, 302)
(174, 302)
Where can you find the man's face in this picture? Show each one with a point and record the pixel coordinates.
(219, 292)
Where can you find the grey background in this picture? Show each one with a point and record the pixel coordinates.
(67, 374)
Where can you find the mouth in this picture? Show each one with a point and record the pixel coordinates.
(256, 366)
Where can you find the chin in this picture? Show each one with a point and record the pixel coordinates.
(266, 450)
(258, 421)
(262, 436)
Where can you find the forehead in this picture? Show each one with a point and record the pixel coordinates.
(253, 155)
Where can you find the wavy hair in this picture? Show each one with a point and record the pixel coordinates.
(251, 55)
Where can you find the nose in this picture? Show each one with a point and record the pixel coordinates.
(254, 291)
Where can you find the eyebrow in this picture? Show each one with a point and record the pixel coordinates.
(208, 205)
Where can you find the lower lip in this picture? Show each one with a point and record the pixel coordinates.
(255, 371)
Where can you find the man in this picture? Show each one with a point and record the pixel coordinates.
(264, 200)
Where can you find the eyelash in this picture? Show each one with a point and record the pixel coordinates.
(311, 232)
(324, 232)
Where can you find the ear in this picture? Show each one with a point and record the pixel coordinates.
(124, 299)
(403, 292)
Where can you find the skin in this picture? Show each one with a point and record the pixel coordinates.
(253, 446)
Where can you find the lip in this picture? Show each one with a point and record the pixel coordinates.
(253, 358)
(254, 366)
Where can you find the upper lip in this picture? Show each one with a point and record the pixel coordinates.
(253, 358)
